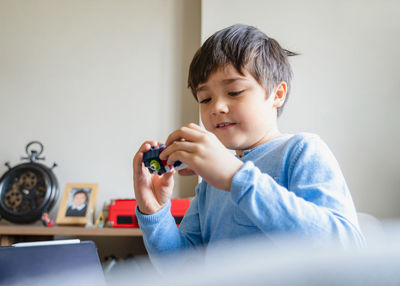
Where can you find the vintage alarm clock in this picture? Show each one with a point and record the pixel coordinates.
(29, 189)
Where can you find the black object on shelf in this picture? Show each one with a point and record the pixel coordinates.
(29, 189)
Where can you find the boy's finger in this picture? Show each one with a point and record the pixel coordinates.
(183, 156)
(137, 164)
(186, 172)
(186, 133)
(195, 126)
(146, 146)
(187, 146)
(168, 176)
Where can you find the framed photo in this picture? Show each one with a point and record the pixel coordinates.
(78, 204)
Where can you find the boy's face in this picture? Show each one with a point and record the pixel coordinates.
(79, 199)
(237, 109)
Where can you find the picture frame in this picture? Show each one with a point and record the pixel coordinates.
(78, 204)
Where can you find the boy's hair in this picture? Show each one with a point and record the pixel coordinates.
(81, 191)
(244, 47)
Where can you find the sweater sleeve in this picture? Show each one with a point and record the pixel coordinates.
(161, 234)
(316, 201)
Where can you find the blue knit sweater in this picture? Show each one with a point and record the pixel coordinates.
(292, 184)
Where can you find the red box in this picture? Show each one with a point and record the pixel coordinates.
(179, 208)
(122, 212)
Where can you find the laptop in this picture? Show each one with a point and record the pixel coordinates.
(52, 263)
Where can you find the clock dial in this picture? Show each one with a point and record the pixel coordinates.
(13, 199)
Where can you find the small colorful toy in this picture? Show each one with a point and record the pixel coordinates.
(46, 220)
(152, 161)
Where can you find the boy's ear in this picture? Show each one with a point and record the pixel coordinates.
(280, 94)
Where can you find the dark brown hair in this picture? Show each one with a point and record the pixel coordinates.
(244, 47)
(81, 191)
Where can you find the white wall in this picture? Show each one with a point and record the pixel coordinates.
(346, 82)
(92, 80)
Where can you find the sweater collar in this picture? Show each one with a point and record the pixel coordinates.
(248, 154)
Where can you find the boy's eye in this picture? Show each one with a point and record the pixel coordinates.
(205, 100)
(234, 93)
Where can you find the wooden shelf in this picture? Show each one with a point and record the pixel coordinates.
(67, 230)
(118, 242)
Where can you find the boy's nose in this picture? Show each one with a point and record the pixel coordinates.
(219, 106)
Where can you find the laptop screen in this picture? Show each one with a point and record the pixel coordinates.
(62, 264)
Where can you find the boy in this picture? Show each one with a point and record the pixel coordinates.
(78, 204)
(277, 183)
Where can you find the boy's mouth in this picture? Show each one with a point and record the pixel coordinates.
(224, 124)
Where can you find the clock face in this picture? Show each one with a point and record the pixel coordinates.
(26, 191)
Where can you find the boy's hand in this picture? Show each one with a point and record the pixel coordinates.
(204, 154)
(186, 172)
(151, 191)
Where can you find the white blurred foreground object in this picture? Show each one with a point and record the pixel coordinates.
(371, 227)
(291, 261)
